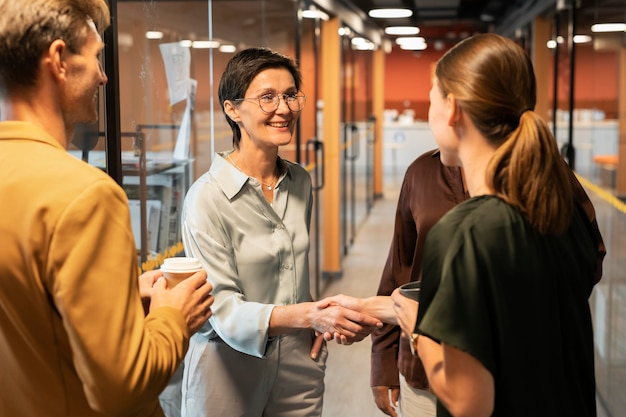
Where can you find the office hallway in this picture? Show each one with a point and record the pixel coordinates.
(347, 377)
(348, 390)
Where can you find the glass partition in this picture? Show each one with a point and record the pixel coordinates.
(311, 146)
(590, 84)
(164, 90)
(171, 55)
(597, 118)
(356, 107)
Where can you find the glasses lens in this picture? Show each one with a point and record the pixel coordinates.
(269, 103)
(295, 103)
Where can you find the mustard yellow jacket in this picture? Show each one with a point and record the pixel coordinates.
(74, 340)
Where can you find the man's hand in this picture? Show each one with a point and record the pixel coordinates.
(386, 399)
(192, 297)
(146, 282)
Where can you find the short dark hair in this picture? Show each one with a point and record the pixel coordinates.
(241, 70)
(28, 27)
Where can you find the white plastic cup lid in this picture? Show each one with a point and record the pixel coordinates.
(181, 264)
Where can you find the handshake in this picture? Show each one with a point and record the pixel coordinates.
(347, 319)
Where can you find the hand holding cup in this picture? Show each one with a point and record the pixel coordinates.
(405, 300)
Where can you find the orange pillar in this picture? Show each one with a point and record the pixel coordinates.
(541, 57)
(378, 99)
(330, 96)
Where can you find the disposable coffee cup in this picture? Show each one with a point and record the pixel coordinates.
(177, 269)
(411, 290)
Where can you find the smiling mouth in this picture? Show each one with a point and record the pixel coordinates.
(279, 124)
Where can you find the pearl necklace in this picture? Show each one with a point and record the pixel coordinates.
(268, 186)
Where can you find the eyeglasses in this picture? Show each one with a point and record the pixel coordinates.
(270, 102)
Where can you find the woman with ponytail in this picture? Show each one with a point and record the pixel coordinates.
(504, 326)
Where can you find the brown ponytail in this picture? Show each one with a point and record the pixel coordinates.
(493, 80)
(527, 171)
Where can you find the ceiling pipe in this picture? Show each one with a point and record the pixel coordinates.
(522, 16)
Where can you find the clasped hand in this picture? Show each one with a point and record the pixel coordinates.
(345, 322)
(395, 309)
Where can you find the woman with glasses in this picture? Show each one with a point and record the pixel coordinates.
(247, 219)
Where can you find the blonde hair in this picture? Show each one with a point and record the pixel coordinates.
(492, 79)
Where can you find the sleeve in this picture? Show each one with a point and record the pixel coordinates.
(455, 308)
(581, 197)
(243, 324)
(123, 358)
(397, 270)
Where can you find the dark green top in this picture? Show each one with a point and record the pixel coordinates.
(518, 302)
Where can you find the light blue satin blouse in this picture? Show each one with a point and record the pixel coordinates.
(255, 254)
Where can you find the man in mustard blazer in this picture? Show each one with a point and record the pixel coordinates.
(74, 339)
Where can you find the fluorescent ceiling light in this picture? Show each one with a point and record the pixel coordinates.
(228, 49)
(205, 44)
(609, 27)
(582, 38)
(413, 46)
(154, 34)
(390, 13)
(402, 30)
(410, 39)
(314, 14)
(577, 39)
(362, 44)
(412, 43)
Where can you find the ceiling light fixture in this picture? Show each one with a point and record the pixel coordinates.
(577, 39)
(582, 38)
(314, 14)
(205, 44)
(228, 49)
(154, 34)
(410, 39)
(390, 13)
(609, 27)
(412, 43)
(362, 44)
(402, 30)
(413, 47)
